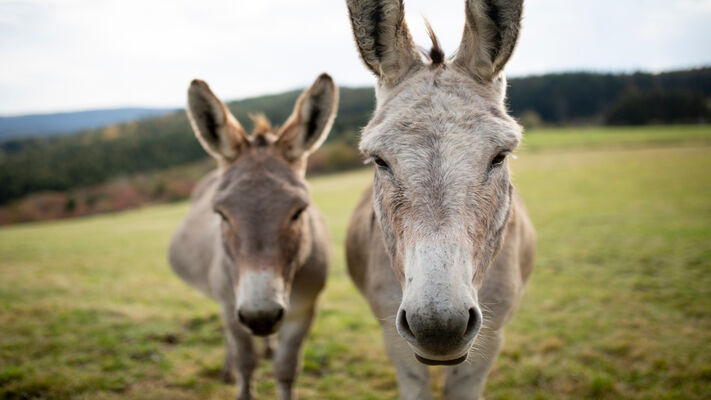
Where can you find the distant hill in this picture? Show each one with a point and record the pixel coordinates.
(151, 144)
(36, 125)
(587, 97)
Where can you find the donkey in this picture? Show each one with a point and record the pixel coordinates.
(252, 240)
(440, 245)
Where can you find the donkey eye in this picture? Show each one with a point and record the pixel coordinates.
(222, 215)
(382, 164)
(297, 214)
(498, 160)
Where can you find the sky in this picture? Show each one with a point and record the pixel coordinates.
(65, 55)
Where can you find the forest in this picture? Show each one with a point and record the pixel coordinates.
(153, 144)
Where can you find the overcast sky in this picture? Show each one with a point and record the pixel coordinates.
(59, 55)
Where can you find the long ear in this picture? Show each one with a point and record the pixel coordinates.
(490, 35)
(311, 120)
(215, 127)
(383, 39)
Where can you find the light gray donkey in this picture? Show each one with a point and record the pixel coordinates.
(440, 245)
(252, 240)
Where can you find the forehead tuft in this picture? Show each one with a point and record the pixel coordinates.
(263, 134)
(261, 124)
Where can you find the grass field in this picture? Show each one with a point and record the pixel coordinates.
(618, 307)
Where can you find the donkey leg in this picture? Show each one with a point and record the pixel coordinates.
(229, 369)
(269, 347)
(242, 350)
(288, 354)
(467, 380)
(413, 377)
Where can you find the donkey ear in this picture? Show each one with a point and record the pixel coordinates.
(215, 127)
(490, 35)
(383, 40)
(311, 120)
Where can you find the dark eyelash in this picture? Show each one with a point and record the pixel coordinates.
(222, 215)
(297, 214)
(498, 159)
(382, 164)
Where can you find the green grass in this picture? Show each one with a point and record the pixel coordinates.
(619, 305)
(628, 137)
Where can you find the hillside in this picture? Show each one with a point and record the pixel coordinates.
(589, 97)
(36, 125)
(152, 144)
(175, 183)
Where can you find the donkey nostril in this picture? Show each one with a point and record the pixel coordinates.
(241, 317)
(280, 314)
(473, 323)
(403, 326)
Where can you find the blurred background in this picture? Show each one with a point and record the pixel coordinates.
(615, 96)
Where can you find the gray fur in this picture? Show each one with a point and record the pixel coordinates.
(246, 242)
(446, 263)
(383, 40)
(490, 35)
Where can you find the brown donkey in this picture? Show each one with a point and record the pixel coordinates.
(252, 240)
(440, 245)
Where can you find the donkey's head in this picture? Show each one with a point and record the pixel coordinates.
(262, 195)
(439, 138)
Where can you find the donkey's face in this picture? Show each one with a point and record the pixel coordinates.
(262, 196)
(439, 138)
(261, 203)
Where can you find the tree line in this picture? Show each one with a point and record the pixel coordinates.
(95, 156)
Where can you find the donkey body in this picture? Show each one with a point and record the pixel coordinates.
(440, 245)
(251, 240)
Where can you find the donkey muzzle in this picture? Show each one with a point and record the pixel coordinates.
(439, 337)
(261, 322)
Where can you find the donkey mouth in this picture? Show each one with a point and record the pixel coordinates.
(428, 361)
(264, 330)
